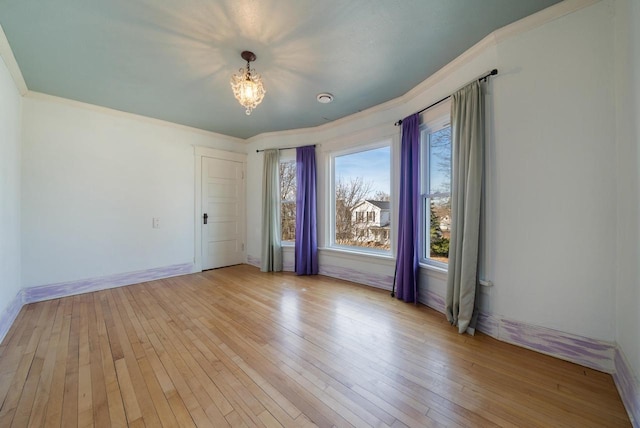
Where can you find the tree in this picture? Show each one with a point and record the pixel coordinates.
(440, 146)
(438, 243)
(348, 195)
(381, 196)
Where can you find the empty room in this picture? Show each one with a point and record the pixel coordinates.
(296, 213)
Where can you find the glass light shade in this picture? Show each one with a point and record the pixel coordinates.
(248, 89)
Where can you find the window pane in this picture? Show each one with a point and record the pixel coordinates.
(440, 161)
(435, 188)
(439, 228)
(288, 200)
(362, 194)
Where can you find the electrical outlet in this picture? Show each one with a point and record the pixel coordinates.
(155, 223)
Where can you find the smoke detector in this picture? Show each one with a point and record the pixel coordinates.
(324, 98)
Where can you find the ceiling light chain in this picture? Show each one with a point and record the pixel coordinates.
(247, 85)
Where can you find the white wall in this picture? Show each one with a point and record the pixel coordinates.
(627, 61)
(93, 179)
(10, 141)
(551, 171)
(552, 176)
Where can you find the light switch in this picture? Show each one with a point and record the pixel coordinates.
(155, 223)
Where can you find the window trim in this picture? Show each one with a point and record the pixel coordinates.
(331, 206)
(433, 121)
(285, 157)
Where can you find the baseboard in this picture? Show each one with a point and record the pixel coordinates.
(489, 325)
(628, 387)
(432, 300)
(596, 354)
(9, 315)
(253, 261)
(288, 266)
(70, 288)
(587, 352)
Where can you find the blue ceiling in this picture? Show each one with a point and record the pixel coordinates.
(172, 59)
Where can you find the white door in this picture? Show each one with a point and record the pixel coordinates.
(223, 209)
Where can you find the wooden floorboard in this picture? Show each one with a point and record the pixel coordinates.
(237, 347)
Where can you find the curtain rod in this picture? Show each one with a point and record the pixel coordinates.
(485, 77)
(284, 148)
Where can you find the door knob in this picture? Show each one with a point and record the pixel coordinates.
(205, 218)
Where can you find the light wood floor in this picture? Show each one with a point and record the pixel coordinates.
(241, 348)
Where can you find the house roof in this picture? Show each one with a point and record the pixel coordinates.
(383, 205)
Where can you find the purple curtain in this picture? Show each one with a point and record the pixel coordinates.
(306, 228)
(407, 263)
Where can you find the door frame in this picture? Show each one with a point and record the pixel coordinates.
(199, 153)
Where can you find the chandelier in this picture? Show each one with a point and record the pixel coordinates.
(247, 86)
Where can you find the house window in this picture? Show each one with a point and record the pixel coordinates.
(435, 170)
(361, 194)
(288, 199)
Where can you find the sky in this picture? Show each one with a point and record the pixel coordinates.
(372, 165)
(375, 165)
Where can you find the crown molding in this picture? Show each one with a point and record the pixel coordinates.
(12, 65)
(431, 83)
(542, 17)
(388, 105)
(132, 116)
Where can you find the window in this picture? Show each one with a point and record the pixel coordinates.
(288, 199)
(435, 169)
(361, 184)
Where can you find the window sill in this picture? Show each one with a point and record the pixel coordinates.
(358, 255)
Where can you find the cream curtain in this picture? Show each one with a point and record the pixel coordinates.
(468, 130)
(271, 258)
